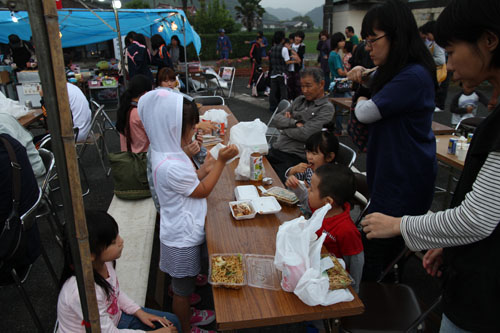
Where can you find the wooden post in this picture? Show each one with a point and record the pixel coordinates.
(45, 28)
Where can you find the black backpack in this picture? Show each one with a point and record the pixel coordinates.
(11, 230)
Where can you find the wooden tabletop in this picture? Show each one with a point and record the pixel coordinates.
(440, 129)
(344, 102)
(442, 152)
(31, 117)
(253, 307)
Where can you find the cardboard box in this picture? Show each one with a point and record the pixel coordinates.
(4, 77)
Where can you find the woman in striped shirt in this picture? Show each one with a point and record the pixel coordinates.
(468, 231)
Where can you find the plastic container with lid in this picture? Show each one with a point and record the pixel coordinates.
(211, 268)
(258, 271)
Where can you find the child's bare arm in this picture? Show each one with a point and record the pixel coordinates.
(208, 183)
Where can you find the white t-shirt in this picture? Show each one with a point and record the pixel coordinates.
(182, 217)
(82, 116)
(463, 102)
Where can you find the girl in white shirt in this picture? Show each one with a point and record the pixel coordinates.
(170, 122)
(118, 313)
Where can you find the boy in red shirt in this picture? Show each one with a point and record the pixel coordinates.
(335, 184)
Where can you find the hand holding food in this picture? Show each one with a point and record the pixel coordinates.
(299, 168)
(292, 182)
(206, 127)
(227, 153)
(192, 149)
(356, 74)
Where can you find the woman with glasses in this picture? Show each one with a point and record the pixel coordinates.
(468, 231)
(401, 160)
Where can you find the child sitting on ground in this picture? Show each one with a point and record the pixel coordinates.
(321, 148)
(464, 104)
(335, 184)
(117, 311)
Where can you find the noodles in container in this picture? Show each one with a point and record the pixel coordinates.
(227, 270)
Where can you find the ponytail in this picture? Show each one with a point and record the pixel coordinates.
(138, 86)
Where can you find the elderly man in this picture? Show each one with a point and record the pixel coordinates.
(307, 115)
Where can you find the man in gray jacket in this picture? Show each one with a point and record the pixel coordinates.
(307, 115)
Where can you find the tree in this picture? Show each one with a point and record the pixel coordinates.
(305, 19)
(136, 4)
(250, 12)
(209, 19)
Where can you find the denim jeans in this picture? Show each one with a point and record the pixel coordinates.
(132, 322)
(447, 326)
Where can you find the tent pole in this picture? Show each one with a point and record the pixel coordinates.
(120, 44)
(45, 29)
(185, 52)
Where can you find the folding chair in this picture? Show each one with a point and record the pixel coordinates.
(227, 74)
(389, 307)
(468, 125)
(104, 118)
(209, 100)
(361, 197)
(28, 220)
(47, 207)
(273, 132)
(95, 137)
(346, 155)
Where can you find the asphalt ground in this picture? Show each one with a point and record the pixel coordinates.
(43, 292)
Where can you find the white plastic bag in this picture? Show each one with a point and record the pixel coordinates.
(250, 137)
(14, 108)
(216, 116)
(298, 257)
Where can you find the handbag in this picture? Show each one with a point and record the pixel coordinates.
(342, 86)
(357, 130)
(441, 73)
(129, 172)
(12, 232)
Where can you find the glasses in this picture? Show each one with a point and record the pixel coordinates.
(369, 42)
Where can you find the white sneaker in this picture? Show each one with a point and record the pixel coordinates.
(437, 109)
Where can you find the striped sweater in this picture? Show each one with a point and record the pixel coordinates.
(473, 220)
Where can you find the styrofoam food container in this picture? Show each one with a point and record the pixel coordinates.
(244, 217)
(246, 192)
(266, 205)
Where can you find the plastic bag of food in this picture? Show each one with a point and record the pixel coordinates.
(250, 137)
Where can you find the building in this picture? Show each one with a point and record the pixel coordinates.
(338, 14)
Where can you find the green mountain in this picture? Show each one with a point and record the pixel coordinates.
(316, 16)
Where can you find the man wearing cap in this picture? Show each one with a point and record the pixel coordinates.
(20, 51)
(223, 45)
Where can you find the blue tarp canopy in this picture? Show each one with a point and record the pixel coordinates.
(82, 27)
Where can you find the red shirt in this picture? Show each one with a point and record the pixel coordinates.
(343, 238)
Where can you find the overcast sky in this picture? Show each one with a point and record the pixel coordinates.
(300, 6)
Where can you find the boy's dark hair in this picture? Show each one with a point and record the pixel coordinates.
(291, 36)
(258, 37)
(260, 33)
(323, 33)
(336, 181)
(348, 46)
(350, 29)
(190, 114)
(396, 20)
(278, 37)
(324, 141)
(102, 230)
(131, 35)
(300, 34)
(466, 21)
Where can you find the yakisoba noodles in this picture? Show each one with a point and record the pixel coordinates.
(227, 270)
(338, 276)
